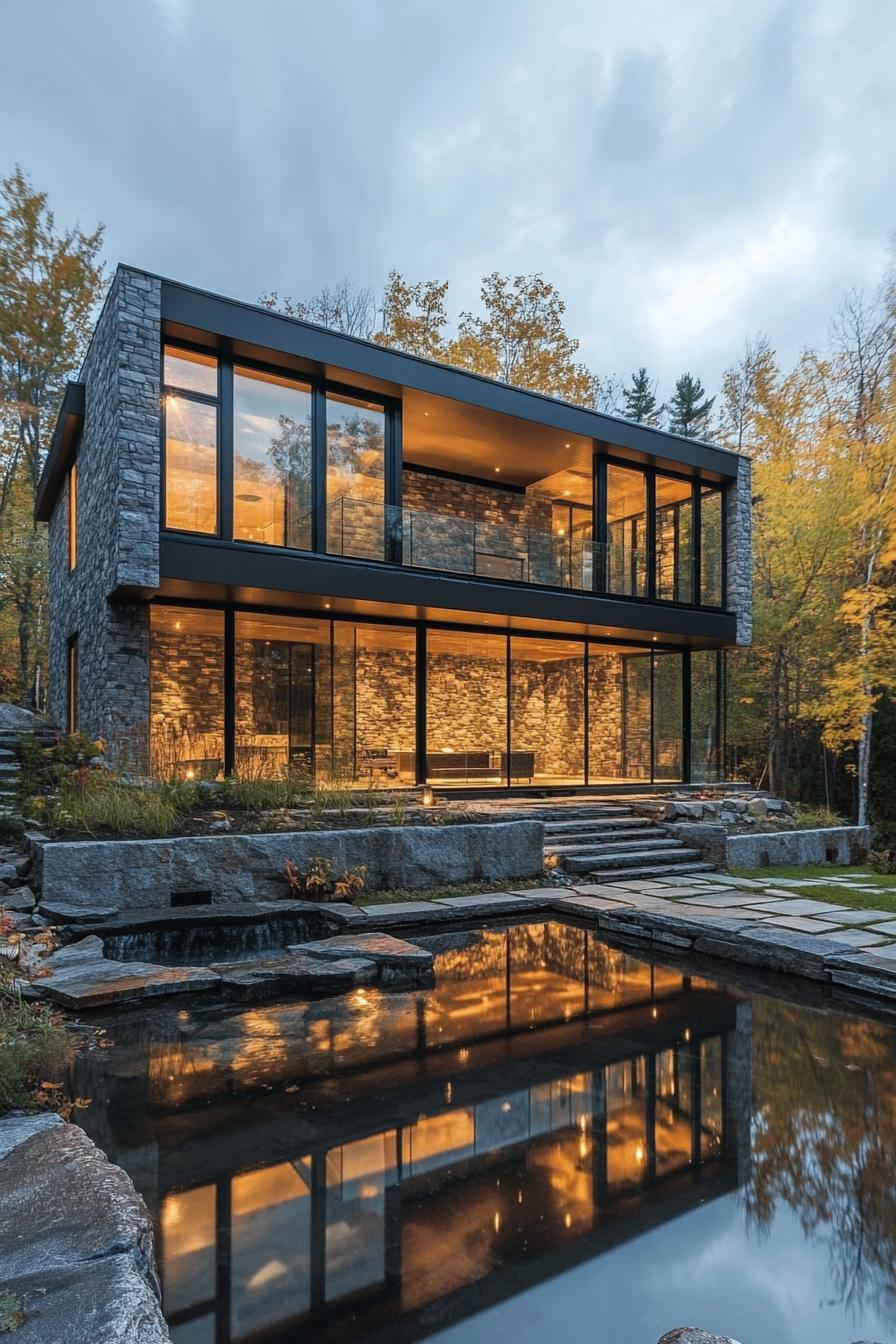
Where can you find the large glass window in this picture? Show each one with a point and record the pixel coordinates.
(547, 711)
(466, 708)
(604, 713)
(668, 724)
(188, 1248)
(674, 540)
(283, 695)
(356, 477)
(711, 568)
(626, 1093)
(627, 560)
(706, 709)
(191, 442)
(374, 704)
(636, 716)
(186, 668)
(271, 460)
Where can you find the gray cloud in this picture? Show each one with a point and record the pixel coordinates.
(686, 175)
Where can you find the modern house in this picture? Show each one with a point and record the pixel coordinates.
(271, 542)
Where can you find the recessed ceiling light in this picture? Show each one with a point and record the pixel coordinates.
(567, 445)
(566, 492)
(426, 412)
(328, 605)
(497, 468)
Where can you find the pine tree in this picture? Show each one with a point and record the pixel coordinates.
(689, 408)
(639, 400)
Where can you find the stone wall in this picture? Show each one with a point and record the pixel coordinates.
(187, 699)
(118, 522)
(605, 715)
(511, 538)
(134, 874)
(740, 551)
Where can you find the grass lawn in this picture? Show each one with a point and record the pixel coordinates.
(440, 893)
(827, 888)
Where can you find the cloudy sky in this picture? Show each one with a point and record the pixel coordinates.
(686, 174)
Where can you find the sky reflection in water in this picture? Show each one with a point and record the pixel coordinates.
(557, 1140)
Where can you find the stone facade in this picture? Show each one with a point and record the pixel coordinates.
(118, 522)
(740, 551)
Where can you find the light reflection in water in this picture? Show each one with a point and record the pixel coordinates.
(398, 1217)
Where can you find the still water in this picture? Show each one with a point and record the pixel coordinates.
(558, 1141)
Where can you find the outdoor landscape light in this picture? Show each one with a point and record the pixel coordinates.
(427, 798)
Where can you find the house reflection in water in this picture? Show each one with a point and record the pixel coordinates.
(551, 1098)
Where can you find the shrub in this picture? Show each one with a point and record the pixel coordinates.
(95, 800)
(816, 818)
(36, 1051)
(318, 882)
(882, 861)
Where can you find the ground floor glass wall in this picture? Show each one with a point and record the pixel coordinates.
(355, 702)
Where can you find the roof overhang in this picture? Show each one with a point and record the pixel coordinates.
(63, 447)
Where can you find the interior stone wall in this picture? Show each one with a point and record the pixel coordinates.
(465, 703)
(604, 715)
(187, 698)
(386, 699)
(511, 524)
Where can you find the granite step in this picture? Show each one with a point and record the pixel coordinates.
(648, 870)
(642, 840)
(586, 863)
(600, 824)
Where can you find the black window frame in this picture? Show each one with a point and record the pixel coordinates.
(71, 699)
(185, 394)
(603, 457)
(634, 647)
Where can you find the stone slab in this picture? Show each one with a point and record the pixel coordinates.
(401, 911)
(721, 900)
(586, 903)
(292, 973)
(802, 923)
(861, 938)
(863, 916)
(799, 906)
(19, 901)
(63, 913)
(887, 927)
(85, 981)
(380, 948)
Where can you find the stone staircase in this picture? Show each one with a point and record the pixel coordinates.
(9, 761)
(614, 842)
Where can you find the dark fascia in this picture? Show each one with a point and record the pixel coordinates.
(197, 314)
(63, 445)
(217, 571)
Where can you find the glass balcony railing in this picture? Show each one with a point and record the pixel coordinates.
(370, 530)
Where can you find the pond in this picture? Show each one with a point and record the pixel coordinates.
(558, 1140)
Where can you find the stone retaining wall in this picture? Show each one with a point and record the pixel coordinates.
(830, 844)
(130, 874)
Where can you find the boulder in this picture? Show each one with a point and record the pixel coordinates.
(291, 973)
(77, 1252)
(15, 719)
(22, 899)
(758, 807)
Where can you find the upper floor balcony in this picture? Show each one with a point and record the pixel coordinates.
(253, 456)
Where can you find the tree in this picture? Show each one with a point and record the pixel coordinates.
(639, 400)
(50, 282)
(414, 316)
(520, 339)
(689, 408)
(745, 387)
(345, 307)
(859, 384)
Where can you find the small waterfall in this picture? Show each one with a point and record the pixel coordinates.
(195, 945)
